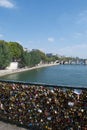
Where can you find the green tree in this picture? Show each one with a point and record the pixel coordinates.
(35, 58)
(25, 59)
(16, 50)
(42, 55)
(5, 56)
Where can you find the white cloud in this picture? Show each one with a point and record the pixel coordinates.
(30, 42)
(6, 4)
(62, 39)
(79, 50)
(77, 35)
(50, 39)
(82, 17)
(1, 35)
(83, 13)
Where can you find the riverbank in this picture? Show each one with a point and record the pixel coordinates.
(7, 72)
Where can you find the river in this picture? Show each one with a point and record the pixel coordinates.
(73, 75)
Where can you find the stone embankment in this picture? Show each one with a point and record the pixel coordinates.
(7, 126)
(6, 72)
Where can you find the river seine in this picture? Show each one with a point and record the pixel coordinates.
(73, 75)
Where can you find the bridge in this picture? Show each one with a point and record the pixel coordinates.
(35, 106)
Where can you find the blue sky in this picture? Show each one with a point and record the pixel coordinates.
(57, 26)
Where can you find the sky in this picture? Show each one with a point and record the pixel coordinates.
(53, 26)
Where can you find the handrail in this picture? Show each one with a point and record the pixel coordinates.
(43, 84)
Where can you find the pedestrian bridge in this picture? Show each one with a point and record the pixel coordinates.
(42, 107)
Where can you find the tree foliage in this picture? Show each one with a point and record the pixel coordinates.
(16, 50)
(35, 58)
(13, 51)
(5, 56)
(25, 59)
(42, 55)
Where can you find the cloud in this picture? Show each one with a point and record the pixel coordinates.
(6, 4)
(30, 42)
(82, 17)
(77, 35)
(62, 39)
(79, 50)
(83, 13)
(1, 35)
(50, 39)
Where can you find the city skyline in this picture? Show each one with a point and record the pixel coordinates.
(58, 27)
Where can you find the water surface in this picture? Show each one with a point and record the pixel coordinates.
(74, 75)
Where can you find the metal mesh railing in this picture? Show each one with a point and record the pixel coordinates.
(43, 107)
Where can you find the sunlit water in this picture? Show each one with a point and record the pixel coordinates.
(74, 75)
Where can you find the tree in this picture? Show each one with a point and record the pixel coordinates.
(16, 50)
(35, 58)
(25, 59)
(5, 57)
(42, 55)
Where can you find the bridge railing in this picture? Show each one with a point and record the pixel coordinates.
(44, 107)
